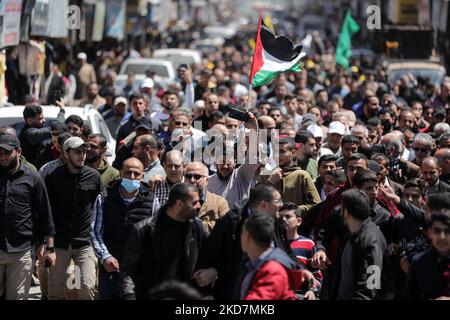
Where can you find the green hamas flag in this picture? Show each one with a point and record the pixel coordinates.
(343, 50)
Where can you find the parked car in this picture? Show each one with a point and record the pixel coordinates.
(121, 81)
(225, 32)
(178, 56)
(164, 71)
(162, 68)
(207, 45)
(12, 116)
(430, 69)
(309, 23)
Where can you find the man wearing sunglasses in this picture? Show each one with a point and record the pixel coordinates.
(422, 146)
(181, 130)
(213, 206)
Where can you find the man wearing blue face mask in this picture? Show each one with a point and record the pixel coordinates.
(123, 203)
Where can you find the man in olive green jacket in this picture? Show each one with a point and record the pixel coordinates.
(294, 184)
(95, 159)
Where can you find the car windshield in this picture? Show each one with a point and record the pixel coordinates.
(142, 68)
(436, 76)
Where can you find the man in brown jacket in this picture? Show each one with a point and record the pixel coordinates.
(213, 206)
(295, 185)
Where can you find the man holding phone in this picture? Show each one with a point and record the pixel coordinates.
(34, 133)
(185, 75)
(234, 183)
(54, 85)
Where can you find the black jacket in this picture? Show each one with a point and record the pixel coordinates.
(123, 153)
(141, 267)
(445, 179)
(319, 186)
(411, 211)
(31, 139)
(128, 127)
(25, 215)
(57, 83)
(369, 248)
(223, 249)
(332, 235)
(441, 187)
(335, 225)
(72, 197)
(309, 221)
(426, 276)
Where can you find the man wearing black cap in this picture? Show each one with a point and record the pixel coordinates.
(73, 189)
(439, 115)
(25, 221)
(143, 125)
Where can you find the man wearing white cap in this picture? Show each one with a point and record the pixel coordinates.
(86, 71)
(119, 111)
(317, 133)
(334, 136)
(73, 189)
(147, 88)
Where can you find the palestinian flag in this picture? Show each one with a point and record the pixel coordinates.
(272, 56)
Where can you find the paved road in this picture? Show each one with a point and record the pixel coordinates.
(35, 293)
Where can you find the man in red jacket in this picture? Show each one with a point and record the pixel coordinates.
(270, 273)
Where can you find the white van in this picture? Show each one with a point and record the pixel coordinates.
(12, 116)
(178, 56)
(162, 68)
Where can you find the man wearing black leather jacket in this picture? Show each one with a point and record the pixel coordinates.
(165, 247)
(223, 253)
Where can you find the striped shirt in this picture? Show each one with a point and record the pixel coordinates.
(304, 249)
(96, 231)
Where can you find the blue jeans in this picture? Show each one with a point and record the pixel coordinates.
(108, 284)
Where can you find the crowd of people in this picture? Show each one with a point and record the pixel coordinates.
(344, 195)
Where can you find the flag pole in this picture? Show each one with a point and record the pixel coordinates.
(247, 107)
(253, 61)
